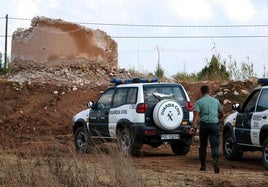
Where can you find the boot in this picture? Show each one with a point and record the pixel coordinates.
(203, 165)
(216, 166)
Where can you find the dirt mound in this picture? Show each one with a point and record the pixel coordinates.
(33, 110)
(37, 109)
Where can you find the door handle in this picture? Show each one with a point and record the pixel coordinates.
(264, 117)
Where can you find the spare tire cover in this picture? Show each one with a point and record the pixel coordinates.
(167, 114)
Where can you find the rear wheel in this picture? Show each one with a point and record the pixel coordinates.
(230, 150)
(126, 143)
(180, 148)
(265, 153)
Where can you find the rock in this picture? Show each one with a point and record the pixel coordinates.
(236, 93)
(220, 94)
(245, 92)
(226, 101)
(226, 83)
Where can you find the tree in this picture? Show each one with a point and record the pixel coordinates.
(1, 59)
(245, 71)
(183, 76)
(3, 69)
(214, 70)
(159, 72)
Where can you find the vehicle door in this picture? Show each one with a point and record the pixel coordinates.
(260, 117)
(244, 119)
(123, 107)
(99, 115)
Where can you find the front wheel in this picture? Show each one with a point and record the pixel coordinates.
(230, 149)
(179, 148)
(126, 143)
(265, 153)
(81, 139)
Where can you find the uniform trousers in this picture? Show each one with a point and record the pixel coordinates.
(209, 131)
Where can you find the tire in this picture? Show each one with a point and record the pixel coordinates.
(230, 149)
(167, 114)
(265, 153)
(126, 143)
(179, 148)
(82, 140)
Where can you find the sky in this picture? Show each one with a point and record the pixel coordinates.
(182, 35)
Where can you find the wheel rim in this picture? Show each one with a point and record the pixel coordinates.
(81, 140)
(265, 154)
(229, 146)
(125, 142)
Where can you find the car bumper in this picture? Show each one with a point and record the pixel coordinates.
(152, 135)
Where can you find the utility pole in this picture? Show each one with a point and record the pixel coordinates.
(264, 71)
(5, 66)
(158, 55)
(138, 56)
(159, 71)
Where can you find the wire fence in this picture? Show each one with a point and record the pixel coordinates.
(14, 23)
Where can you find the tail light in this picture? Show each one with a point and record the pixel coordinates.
(142, 107)
(189, 106)
(150, 132)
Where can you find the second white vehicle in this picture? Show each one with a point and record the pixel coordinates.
(247, 129)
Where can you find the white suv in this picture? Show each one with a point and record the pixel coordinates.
(247, 129)
(135, 112)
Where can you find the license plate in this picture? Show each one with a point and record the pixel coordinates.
(170, 136)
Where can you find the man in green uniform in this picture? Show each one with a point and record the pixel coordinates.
(207, 112)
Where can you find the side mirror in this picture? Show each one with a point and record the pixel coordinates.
(100, 106)
(236, 106)
(90, 104)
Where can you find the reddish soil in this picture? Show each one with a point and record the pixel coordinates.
(38, 114)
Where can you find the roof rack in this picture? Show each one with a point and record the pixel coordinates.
(263, 81)
(118, 81)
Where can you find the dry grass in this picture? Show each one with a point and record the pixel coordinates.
(51, 164)
(105, 166)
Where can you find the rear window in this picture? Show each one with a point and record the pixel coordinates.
(156, 92)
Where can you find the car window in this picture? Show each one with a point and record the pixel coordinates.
(132, 95)
(125, 96)
(120, 97)
(172, 92)
(250, 103)
(263, 101)
(106, 98)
